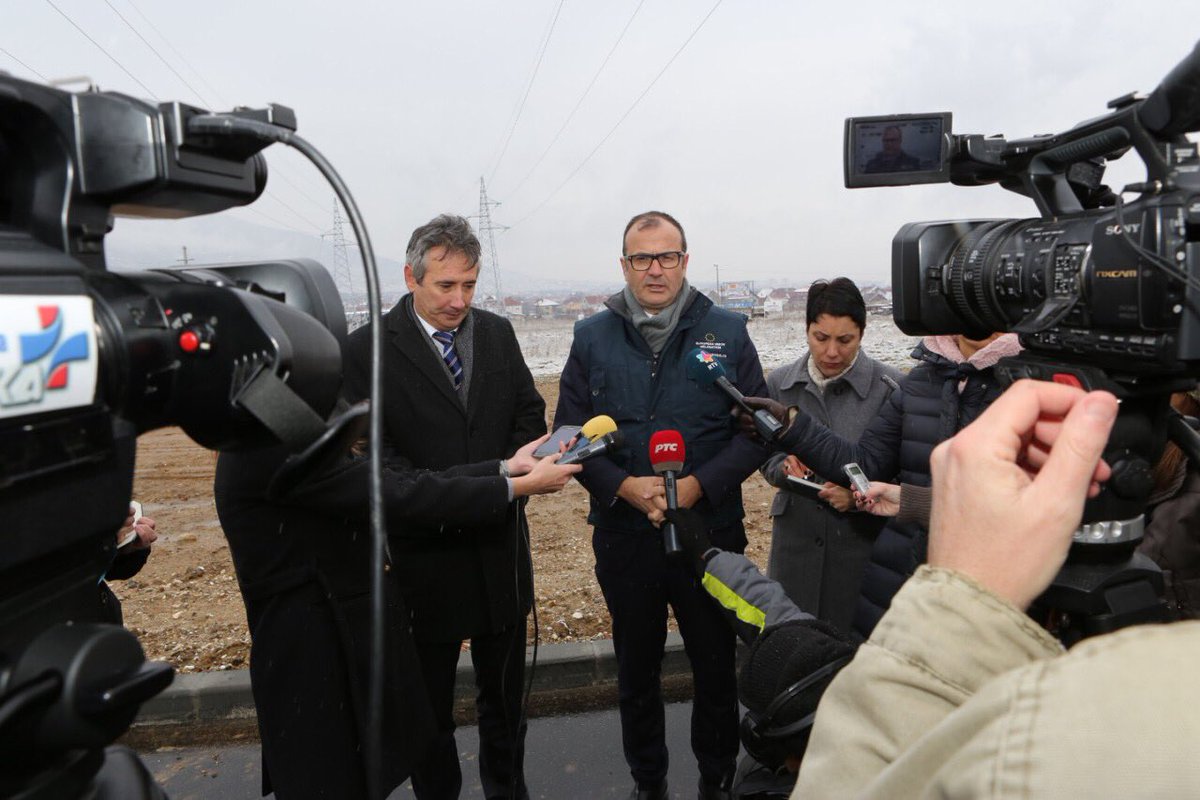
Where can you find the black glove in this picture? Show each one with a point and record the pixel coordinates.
(746, 421)
(693, 535)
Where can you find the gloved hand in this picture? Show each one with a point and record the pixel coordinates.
(746, 421)
(693, 535)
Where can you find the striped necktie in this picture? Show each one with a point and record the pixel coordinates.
(450, 355)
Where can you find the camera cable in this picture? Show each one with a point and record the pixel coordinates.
(235, 126)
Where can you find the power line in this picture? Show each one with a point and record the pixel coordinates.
(186, 63)
(26, 66)
(298, 215)
(624, 116)
(167, 64)
(101, 49)
(582, 97)
(529, 86)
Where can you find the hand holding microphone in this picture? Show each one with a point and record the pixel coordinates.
(705, 369)
(666, 457)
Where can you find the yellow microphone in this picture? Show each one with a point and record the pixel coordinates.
(596, 427)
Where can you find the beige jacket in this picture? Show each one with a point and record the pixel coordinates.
(958, 694)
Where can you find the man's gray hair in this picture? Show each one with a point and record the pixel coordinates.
(445, 230)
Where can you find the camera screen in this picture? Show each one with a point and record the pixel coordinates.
(896, 150)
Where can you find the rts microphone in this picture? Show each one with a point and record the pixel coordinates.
(704, 369)
(666, 457)
(593, 429)
(607, 443)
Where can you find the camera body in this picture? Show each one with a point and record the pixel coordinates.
(1103, 294)
(237, 355)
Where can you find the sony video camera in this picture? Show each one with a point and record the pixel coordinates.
(1103, 294)
(236, 355)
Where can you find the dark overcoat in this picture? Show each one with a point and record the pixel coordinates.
(302, 565)
(458, 580)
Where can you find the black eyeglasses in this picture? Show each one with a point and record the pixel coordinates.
(668, 260)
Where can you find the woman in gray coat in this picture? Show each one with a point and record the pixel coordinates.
(819, 543)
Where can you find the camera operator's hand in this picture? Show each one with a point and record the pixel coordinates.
(546, 477)
(522, 461)
(746, 421)
(882, 499)
(693, 535)
(1008, 490)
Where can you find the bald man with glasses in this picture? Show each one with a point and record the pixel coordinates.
(629, 362)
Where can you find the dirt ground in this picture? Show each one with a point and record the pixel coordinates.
(185, 605)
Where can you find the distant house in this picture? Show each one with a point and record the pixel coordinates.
(776, 301)
(548, 308)
(513, 307)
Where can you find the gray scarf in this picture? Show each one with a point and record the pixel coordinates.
(657, 328)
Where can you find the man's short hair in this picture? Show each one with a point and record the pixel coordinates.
(837, 298)
(445, 230)
(652, 219)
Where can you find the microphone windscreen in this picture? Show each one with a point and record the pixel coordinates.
(596, 427)
(703, 367)
(667, 451)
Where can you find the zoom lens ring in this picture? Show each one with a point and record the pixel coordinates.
(979, 262)
(960, 262)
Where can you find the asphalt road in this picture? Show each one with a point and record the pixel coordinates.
(567, 758)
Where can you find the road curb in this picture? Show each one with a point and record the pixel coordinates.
(208, 707)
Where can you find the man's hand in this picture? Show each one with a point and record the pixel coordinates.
(641, 492)
(837, 496)
(546, 477)
(746, 421)
(1008, 490)
(523, 461)
(882, 499)
(687, 493)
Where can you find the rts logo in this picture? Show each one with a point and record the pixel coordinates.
(666, 447)
(48, 354)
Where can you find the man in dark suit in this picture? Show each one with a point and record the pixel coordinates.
(456, 390)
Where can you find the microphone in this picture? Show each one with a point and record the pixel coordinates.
(607, 443)
(706, 370)
(592, 430)
(666, 457)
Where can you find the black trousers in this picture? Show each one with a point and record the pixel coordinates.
(638, 584)
(499, 661)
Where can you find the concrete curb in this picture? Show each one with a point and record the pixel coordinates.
(570, 677)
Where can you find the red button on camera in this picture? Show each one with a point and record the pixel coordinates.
(189, 341)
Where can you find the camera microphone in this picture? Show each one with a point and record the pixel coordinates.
(607, 443)
(666, 457)
(703, 368)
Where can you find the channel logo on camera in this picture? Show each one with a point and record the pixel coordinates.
(48, 358)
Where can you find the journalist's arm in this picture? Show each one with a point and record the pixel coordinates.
(943, 699)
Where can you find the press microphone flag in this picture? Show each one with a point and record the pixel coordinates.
(667, 454)
(706, 369)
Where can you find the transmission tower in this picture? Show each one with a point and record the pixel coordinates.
(341, 262)
(487, 232)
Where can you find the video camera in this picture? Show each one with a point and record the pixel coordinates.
(1103, 294)
(236, 355)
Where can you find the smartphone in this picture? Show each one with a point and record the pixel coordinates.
(804, 485)
(561, 436)
(858, 478)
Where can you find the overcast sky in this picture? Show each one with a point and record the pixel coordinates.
(740, 136)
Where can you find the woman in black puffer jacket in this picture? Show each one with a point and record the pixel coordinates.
(950, 386)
